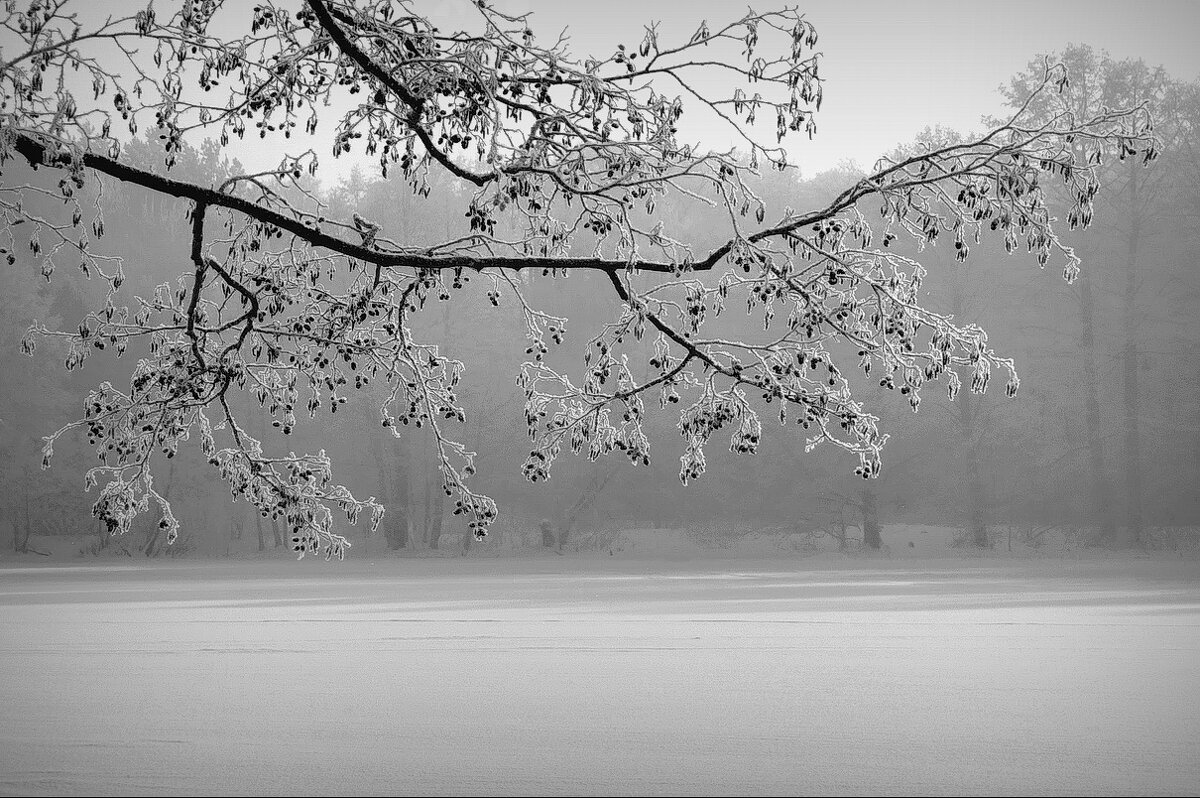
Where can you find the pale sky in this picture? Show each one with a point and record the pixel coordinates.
(891, 67)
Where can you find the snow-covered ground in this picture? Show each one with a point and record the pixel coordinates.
(599, 674)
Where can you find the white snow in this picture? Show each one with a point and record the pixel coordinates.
(598, 674)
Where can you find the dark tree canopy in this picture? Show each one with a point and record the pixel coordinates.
(566, 164)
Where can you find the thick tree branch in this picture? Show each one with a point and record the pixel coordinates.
(38, 154)
(416, 106)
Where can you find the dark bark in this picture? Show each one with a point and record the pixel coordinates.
(435, 489)
(976, 522)
(398, 526)
(1100, 488)
(394, 492)
(978, 528)
(434, 520)
(21, 532)
(37, 154)
(968, 412)
(568, 518)
(276, 530)
(872, 531)
(1133, 441)
(428, 510)
(20, 537)
(154, 538)
(435, 506)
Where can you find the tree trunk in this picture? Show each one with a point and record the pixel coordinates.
(20, 539)
(394, 492)
(151, 547)
(979, 531)
(1100, 492)
(1133, 441)
(872, 531)
(396, 524)
(435, 509)
(276, 532)
(21, 532)
(428, 510)
(154, 541)
(587, 498)
(967, 404)
(398, 529)
(435, 504)
(976, 496)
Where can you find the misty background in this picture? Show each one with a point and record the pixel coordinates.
(709, 654)
(1101, 444)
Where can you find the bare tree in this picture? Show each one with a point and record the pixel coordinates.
(564, 162)
(1132, 210)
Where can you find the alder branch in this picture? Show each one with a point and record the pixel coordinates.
(562, 156)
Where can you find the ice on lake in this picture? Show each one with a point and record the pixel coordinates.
(601, 675)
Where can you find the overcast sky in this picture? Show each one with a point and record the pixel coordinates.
(891, 67)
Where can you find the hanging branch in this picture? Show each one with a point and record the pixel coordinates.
(292, 305)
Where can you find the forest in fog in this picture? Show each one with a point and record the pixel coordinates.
(1101, 443)
(645, 420)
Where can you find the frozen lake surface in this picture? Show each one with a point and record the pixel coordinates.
(601, 675)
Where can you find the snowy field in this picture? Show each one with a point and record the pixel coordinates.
(596, 674)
